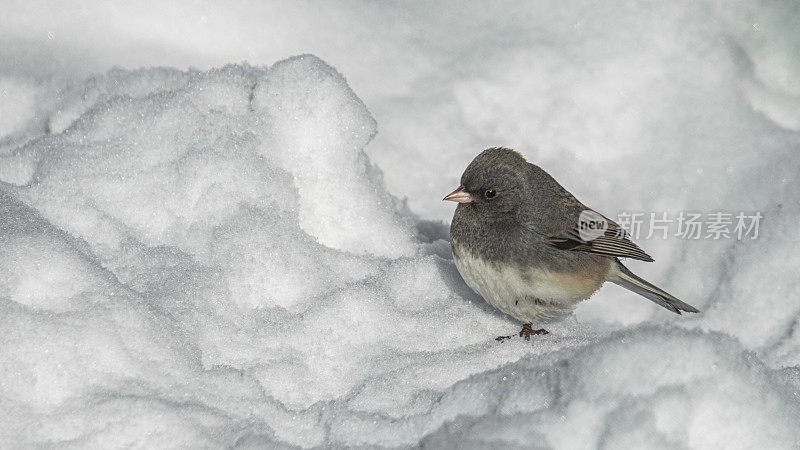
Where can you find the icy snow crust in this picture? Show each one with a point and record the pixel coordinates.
(207, 259)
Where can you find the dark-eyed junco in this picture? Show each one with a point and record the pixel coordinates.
(531, 249)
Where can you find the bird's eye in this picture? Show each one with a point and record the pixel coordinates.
(490, 193)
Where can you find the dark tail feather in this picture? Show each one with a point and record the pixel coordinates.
(625, 278)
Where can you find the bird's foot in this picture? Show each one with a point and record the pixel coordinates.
(527, 331)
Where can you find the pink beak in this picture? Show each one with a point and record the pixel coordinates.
(459, 196)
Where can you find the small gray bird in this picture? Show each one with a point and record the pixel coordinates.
(531, 249)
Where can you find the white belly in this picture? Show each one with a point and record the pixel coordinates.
(523, 293)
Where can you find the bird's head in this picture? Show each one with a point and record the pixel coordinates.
(493, 184)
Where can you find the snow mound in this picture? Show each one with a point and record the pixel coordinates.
(209, 259)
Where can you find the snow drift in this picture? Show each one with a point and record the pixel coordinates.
(211, 259)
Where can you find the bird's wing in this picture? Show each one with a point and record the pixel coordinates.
(614, 241)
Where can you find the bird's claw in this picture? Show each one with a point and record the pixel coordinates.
(528, 331)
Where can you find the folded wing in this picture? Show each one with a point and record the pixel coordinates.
(614, 242)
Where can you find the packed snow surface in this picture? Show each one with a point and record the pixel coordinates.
(230, 257)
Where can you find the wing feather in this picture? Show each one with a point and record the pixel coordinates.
(614, 242)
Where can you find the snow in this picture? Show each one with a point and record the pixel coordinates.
(204, 253)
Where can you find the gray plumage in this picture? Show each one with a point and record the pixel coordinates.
(516, 241)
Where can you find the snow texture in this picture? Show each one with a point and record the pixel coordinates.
(232, 257)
